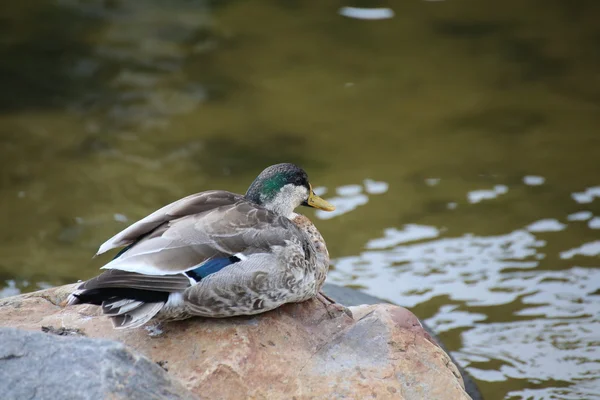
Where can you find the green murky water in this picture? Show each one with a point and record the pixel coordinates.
(460, 142)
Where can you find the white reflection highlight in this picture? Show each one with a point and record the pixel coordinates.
(560, 294)
(577, 391)
(449, 317)
(374, 187)
(587, 249)
(552, 328)
(366, 13)
(467, 268)
(580, 216)
(410, 233)
(120, 217)
(533, 180)
(343, 205)
(587, 196)
(594, 223)
(541, 349)
(546, 225)
(478, 195)
(350, 197)
(349, 190)
(556, 342)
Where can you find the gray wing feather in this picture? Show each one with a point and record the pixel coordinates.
(115, 278)
(218, 230)
(192, 204)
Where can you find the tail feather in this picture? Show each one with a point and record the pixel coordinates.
(127, 308)
(136, 317)
(73, 298)
(120, 306)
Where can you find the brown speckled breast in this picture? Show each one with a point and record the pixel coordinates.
(316, 238)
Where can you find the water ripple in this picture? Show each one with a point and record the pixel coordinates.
(549, 333)
(467, 268)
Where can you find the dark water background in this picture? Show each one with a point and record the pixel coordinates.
(460, 141)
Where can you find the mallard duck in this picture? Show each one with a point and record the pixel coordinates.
(215, 254)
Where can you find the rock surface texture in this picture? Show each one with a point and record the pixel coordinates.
(301, 351)
(351, 297)
(36, 365)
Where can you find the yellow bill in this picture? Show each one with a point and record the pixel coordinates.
(317, 202)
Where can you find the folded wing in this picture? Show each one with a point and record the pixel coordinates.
(212, 226)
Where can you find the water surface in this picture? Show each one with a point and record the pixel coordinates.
(459, 141)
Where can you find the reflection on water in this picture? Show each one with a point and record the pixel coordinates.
(533, 180)
(467, 268)
(367, 13)
(586, 249)
(580, 216)
(477, 195)
(14, 287)
(458, 142)
(350, 197)
(587, 196)
(546, 225)
(552, 336)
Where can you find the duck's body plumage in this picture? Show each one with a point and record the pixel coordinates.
(211, 254)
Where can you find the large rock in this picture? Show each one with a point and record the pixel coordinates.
(351, 297)
(35, 365)
(301, 351)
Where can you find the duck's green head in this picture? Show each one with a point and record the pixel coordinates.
(283, 187)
